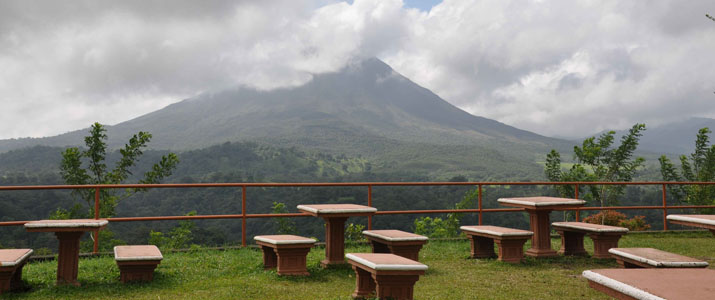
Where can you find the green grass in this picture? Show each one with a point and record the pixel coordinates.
(238, 274)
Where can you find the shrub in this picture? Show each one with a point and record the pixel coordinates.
(614, 218)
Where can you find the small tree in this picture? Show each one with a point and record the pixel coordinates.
(96, 172)
(596, 160)
(700, 167)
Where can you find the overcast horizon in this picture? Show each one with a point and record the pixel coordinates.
(556, 68)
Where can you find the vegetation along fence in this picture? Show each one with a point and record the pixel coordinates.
(369, 185)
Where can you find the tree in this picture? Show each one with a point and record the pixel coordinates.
(74, 173)
(700, 167)
(596, 160)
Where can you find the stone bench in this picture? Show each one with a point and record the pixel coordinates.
(397, 242)
(653, 258)
(510, 242)
(11, 263)
(702, 221)
(390, 275)
(137, 262)
(287, 253)
(604, 237)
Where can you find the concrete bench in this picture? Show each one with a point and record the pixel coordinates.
(287, 253)
(392, 276)
(137, 262)
(604, 237)
(397, 242)
(653, 258)
(510, 242)
(653, 284)
(702, 221)
(11, 263)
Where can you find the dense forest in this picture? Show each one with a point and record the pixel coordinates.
(253, 162)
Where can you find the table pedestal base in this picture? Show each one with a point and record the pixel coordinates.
(68, 257)
(541, 240)
(334, 241)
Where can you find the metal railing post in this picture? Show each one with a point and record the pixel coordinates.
(578, 211)
(96, 217)
(243, 216)
(479, 200)
(665, 209)
(369, 203)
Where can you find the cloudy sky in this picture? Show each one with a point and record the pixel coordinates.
(558, 68)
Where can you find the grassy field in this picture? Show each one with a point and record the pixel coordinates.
(238, 274)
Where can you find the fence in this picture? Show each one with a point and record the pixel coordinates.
(369, 185)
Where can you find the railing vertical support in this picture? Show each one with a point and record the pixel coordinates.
(578, 211)
(665, 209)
(369, 203)
(479, 200)
(96, 217)
(243, 216)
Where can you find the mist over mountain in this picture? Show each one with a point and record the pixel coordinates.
(672, 138)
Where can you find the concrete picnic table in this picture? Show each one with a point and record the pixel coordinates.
(702, 221)
(335, 216)
(652, 284)
(539, 209)
(68, 232)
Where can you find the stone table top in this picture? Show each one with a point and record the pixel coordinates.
(337, 209)
(541, 202)
(66, 225)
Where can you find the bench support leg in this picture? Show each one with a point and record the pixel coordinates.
(6, 278)
(627, 265)
(270, 260)
(572, 243)
(334, 241)
(511, 250)
(364, 284)
(601, 244)
(482, 247)
(395, 286)
(712, 231)
(137, 270)
(407, 251)
(292, 261)
(378, 247)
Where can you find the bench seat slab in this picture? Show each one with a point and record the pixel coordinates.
(653, 258)
(11, 263)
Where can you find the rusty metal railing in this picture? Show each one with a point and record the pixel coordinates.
(244, 186)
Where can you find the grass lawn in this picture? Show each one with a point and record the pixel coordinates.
(239, 274)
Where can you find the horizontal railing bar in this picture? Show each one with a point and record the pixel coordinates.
(336, 184)
(388, 212)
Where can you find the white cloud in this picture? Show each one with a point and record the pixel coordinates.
(537, 65)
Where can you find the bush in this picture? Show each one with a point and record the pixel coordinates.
(614, 218)
(353, 232)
